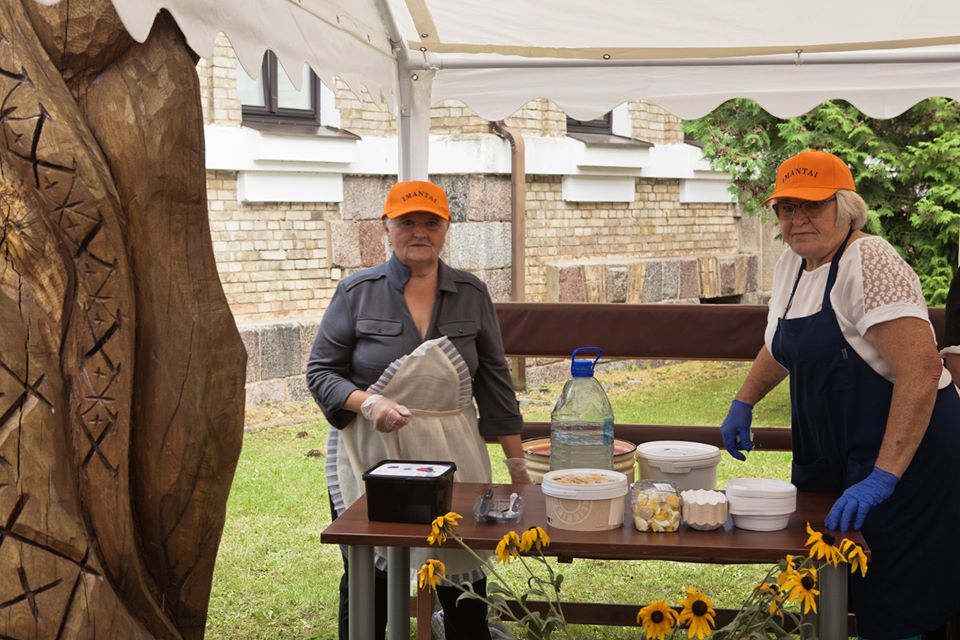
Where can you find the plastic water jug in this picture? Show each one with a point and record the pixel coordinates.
(581, 424)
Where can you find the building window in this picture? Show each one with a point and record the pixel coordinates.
(603, 124)
(272, 98)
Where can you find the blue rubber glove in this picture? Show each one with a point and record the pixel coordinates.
(736, 429)
(856, 502)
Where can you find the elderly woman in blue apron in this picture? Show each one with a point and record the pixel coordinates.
(408, 364)
(875, 416)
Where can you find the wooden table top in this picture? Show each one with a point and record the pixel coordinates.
(727, 545)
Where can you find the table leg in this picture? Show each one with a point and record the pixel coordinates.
(360, 585)
(832, 618)
(398, 593)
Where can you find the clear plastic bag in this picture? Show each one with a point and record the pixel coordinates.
(655, 505)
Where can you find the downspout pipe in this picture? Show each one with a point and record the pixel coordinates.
(518, 227)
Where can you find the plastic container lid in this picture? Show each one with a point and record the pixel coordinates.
(584, 484)
(411, 469)
(760, 488)
(677, 456)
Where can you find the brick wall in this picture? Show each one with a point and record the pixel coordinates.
(218, 85)
(653, 124)
(273, 259)
(654, 225)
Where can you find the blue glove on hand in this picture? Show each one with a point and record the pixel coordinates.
(736, 429)
(856, 502)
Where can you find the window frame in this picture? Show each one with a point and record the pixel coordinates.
(603, 124)
(271, 112)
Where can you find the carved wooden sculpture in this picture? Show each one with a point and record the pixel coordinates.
(121, 369)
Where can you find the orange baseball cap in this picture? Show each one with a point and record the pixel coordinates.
(414, 196)
(811, 175)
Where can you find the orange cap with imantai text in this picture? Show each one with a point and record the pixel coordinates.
(414, 196)
(811, 175)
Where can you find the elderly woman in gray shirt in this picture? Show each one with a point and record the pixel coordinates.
(380, 314)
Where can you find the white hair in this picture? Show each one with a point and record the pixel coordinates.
(851, 209)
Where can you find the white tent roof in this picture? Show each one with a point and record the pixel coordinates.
(881, 55)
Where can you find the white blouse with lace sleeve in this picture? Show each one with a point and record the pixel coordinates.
(874, 285)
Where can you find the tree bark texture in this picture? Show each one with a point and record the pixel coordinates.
(121, 368)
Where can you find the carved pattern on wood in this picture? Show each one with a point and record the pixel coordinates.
(86, 549)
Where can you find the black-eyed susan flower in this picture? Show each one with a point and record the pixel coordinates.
(822, 547)
(658, 620)
(853, 553)
(441, 527)
(698, 613)
(773, 592)
(790, 565)
(534, 537)
(430, 573)
(508, 547)
(801, 587)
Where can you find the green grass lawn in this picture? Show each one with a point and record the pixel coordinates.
(274, 580)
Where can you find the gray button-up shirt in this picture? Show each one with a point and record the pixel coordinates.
(367, 326)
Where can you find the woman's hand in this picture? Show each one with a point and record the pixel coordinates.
(735, 429)
(851, 509)
(385, 414)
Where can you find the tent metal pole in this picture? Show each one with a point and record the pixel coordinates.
(440, 62)
(413, 107)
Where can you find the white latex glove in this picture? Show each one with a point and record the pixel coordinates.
(385, 414)
(518, 471)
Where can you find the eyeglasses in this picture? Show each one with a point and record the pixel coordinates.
(433, 223)
(810, 208)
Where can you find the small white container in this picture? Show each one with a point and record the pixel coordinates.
(704, 510)
(584, 499)
(688, 465)
(761, 504)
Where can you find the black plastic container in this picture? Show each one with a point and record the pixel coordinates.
(409, 490)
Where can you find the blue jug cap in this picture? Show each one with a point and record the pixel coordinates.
(583, 368)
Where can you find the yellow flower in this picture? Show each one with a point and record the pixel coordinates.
(430, 573)
(508, 547)
(823, 547)
(801, 588)
(442, 526)
(854, 554)
(775, 595)
(534, 537)
(789, 568)
(658, 619)
(698, 613)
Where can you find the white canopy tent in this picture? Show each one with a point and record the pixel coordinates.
(687, 56)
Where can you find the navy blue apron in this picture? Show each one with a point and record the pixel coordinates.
(839, 412)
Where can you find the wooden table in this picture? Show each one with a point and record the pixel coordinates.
(725, 546)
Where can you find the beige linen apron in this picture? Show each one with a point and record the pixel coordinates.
(434, 383)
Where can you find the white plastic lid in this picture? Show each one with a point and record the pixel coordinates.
(584, 484)
(679, 451)
(410, 470)
(760, 488)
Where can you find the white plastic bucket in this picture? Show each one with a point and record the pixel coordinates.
(584, 499)
(688, 465)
